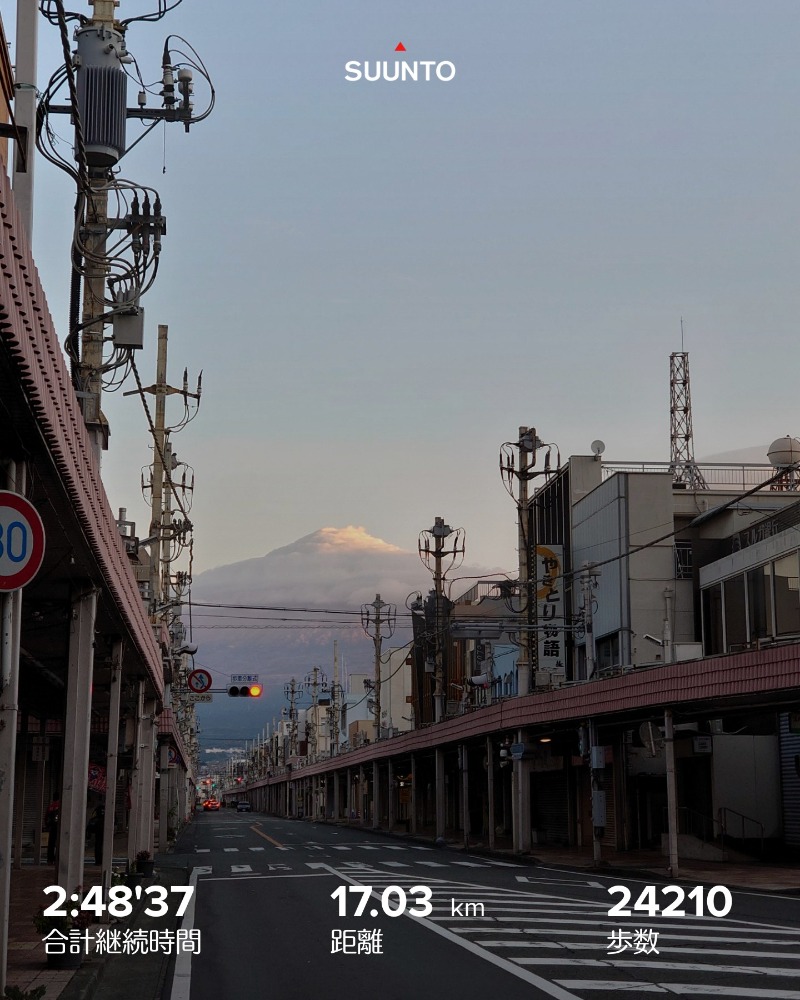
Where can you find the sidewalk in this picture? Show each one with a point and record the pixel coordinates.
(751, 875)
(27, 961)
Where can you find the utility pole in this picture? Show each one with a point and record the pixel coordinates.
(335, 694)
(157, 525)
(107, 281)
(372, 623)
(529, 648)
(520, 473)
(162, 530)
(433, 559)
(315, 681)
(25, 108)
(95, 224)
(290, 692)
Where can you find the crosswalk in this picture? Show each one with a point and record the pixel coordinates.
(414, 861)
(569, 944)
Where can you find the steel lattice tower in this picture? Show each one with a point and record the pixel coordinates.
(682, 463)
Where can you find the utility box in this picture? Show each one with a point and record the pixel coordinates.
(128, 329)
(598, 761)
(598, 807)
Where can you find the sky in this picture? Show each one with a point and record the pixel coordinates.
(382, 281)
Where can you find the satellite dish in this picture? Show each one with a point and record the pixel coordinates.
(598, 447)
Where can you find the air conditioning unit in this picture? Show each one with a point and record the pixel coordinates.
(688, 651)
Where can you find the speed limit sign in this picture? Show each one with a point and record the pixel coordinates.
(21, 541)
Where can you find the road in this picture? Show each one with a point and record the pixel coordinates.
(496, 927)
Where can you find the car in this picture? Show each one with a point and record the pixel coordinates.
(243, 807)
(210, 804)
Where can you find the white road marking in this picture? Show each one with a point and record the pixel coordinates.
(593, 946)
(745, 970)
(559, 881)
(240, 868)
(202, 850)
(394, 864)
(468, 864)
(431, 864)
(604, 934)
(551, 989)
(340, 847)
(256, 848)
(681, 989)
(499, 864)
(610, 984)
(182, 976)
(231, 850)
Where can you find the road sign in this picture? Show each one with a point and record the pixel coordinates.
(194, 698)
(199, 681)
(21, 541)
(244, 678)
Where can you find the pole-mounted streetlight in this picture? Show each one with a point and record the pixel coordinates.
(433, 555)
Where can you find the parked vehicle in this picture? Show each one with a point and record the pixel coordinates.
(243, 807)
(210, 804)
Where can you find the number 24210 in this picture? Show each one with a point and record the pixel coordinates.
(716, 901)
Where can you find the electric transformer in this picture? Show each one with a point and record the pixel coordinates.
(102, 93)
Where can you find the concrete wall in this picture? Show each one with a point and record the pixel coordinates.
(629, 510)
(746, 772)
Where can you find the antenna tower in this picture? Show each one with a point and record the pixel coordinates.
(684, 470)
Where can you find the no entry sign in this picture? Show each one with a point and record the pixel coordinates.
(21, 541)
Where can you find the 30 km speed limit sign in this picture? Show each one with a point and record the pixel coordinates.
(21, 541)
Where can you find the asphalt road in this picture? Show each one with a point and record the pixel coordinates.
(269, 926)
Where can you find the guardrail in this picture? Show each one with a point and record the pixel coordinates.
(724, 811)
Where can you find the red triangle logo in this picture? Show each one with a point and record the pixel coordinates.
(400, 47)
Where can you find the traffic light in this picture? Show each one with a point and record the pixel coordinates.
(245, 690)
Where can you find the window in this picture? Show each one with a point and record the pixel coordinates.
(607, 651)
(787, 596)
(759, 602)
(712, 620)
(683, 561)
(735, 622)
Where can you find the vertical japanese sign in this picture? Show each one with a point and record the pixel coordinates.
(550, 598)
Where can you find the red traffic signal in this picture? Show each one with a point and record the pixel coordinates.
(245, 690)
